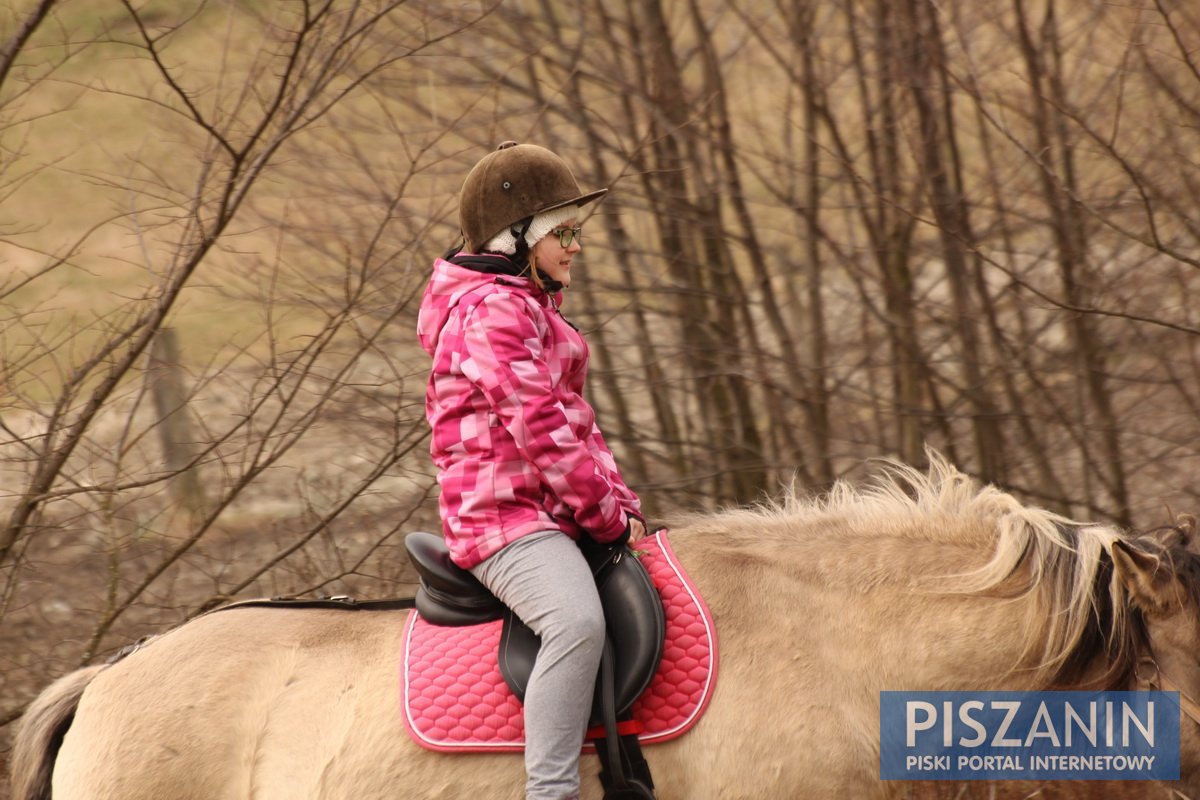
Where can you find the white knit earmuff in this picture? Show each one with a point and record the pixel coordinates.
(506, 242)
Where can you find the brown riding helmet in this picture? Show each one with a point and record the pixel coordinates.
(511, 183)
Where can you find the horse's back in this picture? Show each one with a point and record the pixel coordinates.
(267, 703)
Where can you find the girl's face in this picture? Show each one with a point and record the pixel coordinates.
(554, 259)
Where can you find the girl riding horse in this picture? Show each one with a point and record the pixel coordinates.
(523, 468)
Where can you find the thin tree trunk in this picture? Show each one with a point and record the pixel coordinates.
(924, 52)
(816, 335)
(686, 231)
(1060, 187)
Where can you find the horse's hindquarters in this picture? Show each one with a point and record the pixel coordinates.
(263, 703)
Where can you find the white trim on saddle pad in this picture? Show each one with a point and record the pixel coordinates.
(454, 699)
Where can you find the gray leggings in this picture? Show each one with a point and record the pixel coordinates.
(545, 580)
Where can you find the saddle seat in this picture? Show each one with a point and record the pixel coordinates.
(448, 594)
(633, 612)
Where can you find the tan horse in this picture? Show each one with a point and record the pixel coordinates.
(918, 582)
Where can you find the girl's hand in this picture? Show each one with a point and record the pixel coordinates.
(636, 529)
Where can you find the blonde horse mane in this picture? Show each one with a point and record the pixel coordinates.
(1061, 569)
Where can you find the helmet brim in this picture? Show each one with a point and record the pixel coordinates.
(574, 201)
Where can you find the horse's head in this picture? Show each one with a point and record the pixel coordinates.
(1162, 583)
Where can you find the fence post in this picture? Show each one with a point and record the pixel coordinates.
(169, 391)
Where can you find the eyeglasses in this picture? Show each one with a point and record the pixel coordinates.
(566, 236)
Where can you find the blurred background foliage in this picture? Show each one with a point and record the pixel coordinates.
(836, 231)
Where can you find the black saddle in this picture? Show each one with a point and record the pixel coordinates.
(633, 612)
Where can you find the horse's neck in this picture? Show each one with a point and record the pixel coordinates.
(863, 627)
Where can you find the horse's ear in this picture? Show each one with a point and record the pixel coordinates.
(1186, 524)
(1149, 585)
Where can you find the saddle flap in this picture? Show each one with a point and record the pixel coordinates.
(633, 612)
(636, 624)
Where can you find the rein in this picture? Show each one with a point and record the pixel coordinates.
(1155, 680)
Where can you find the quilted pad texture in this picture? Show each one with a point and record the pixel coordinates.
(454, 698)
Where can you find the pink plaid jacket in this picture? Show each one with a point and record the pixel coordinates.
(516, 445)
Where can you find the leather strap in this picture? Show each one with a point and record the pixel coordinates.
(1158, 681)
(625, 774)
(608, 702)
(625, 727)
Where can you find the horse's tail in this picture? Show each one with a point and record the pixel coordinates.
(41, 731)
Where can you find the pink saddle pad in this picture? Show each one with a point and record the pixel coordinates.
(454, 698)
